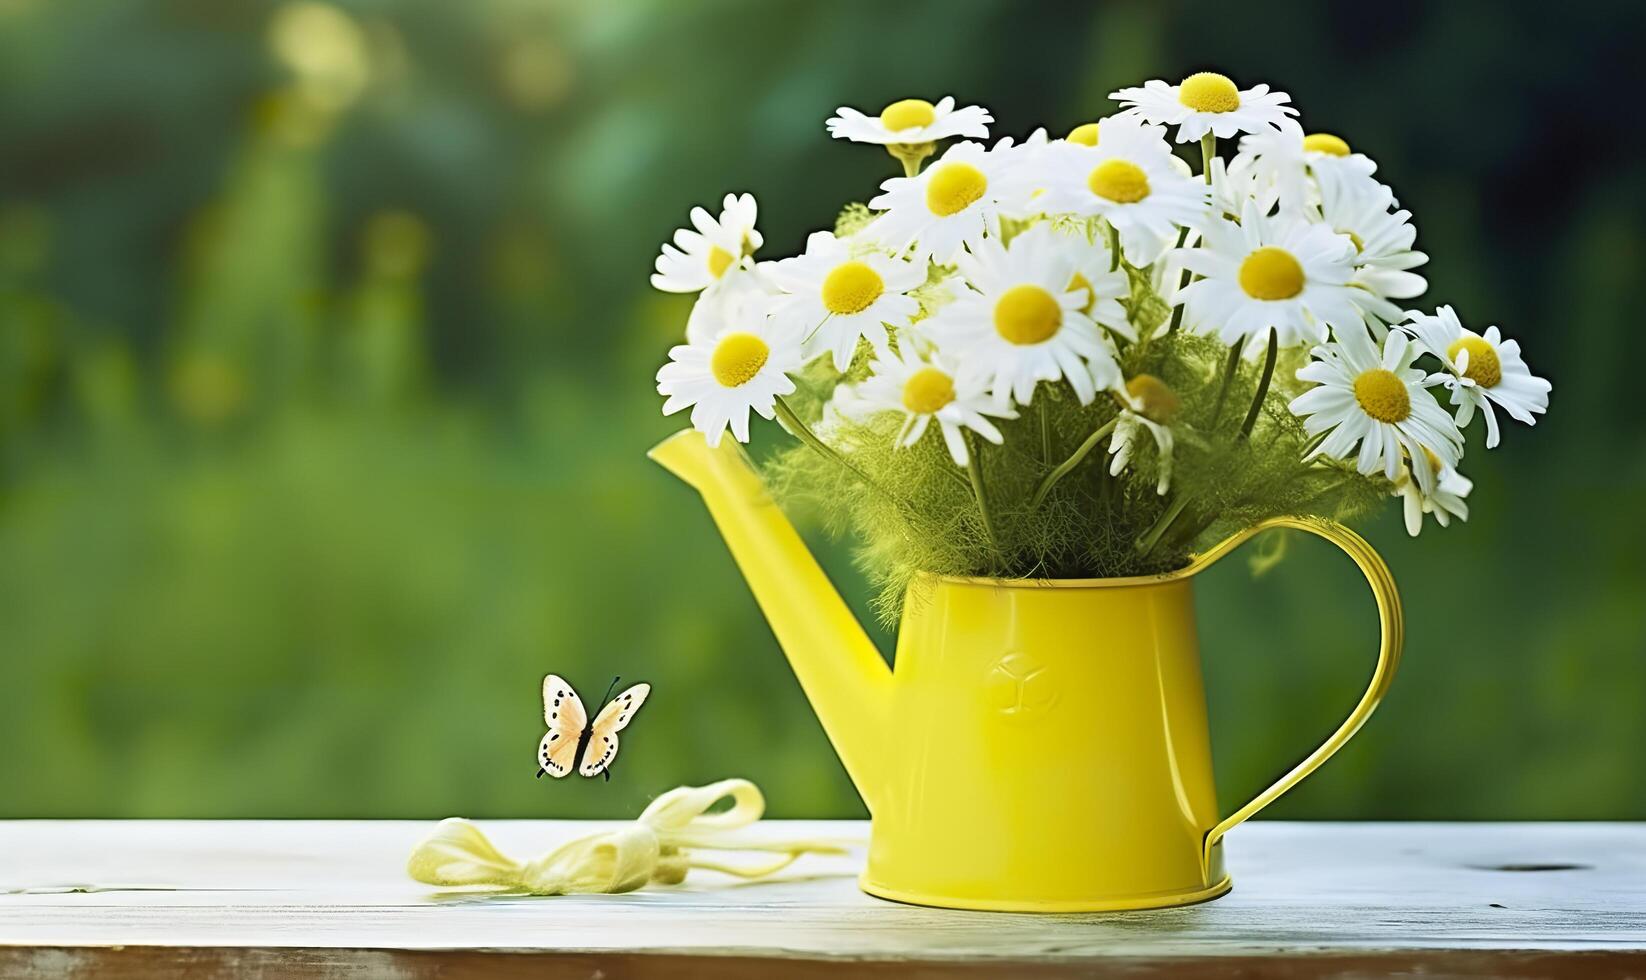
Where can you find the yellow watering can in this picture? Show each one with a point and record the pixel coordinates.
(1042, 745)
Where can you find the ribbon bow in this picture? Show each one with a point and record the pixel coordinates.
(657, 847)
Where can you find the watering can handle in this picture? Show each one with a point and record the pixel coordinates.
(1388, 654)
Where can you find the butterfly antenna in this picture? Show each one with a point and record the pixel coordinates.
(609, 689)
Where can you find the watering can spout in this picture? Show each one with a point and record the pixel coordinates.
(841, 671)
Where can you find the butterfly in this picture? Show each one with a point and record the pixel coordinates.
(573, 742)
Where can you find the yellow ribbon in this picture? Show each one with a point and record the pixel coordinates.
(657, 847)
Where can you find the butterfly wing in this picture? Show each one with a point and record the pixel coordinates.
(564, 712)
(613, 718)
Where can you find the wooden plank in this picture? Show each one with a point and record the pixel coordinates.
(1497, 898)
(277, 964)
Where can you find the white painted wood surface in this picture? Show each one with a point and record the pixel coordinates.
(1299, 889)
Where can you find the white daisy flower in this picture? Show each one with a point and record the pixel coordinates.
(1021, 187)
(1283, 160)
(927, 390)
(1445, 501)
(1131, 181)
(1480, 371)
(1265, 272)
(745, 366)
(741, 296)
(1085, 134)
(1023, 323)
(1237, 181)
(910, 121)
(1331, 161)
(700, 259)
(1096, 271)
(1205, 102)
(834, 298)
(1271, 160)
(1150, 406)
(949, 205)
(845, 407)
(1381, 405)
(1358, 208)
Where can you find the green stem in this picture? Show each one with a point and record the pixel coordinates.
(1262, 385)
(1208, 150)
(1114, 248)
(1067, 466)
(1327, 489)
(1313, 444)
(974, 469)
(911, 155)
(820, 324)
(1229, 368)
(1152, 536)
(806, 435)
(1304, 463)
(1045, 434)
(1182, 280)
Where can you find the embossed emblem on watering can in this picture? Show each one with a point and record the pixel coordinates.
(1021, 687)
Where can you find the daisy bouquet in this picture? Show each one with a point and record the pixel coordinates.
(1081, 357)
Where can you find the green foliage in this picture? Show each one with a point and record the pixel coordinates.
(853, 218)
(1144, 307)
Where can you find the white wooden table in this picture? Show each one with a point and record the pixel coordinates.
(330, 898)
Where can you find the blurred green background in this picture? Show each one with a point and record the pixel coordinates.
(326, 356)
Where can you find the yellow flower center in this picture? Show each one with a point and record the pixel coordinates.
(1484, 367)
(1119, 181)
(719, 261)
(954, 187)
(851, 288)
(1383, 396)
(1325, 143)
(1156, 402)
(1207, 91)
(927, 390)
(1271, 273)
(1084, 134)
(907, 114)
(737, 358)
(1078, 281)
(1027, 314)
